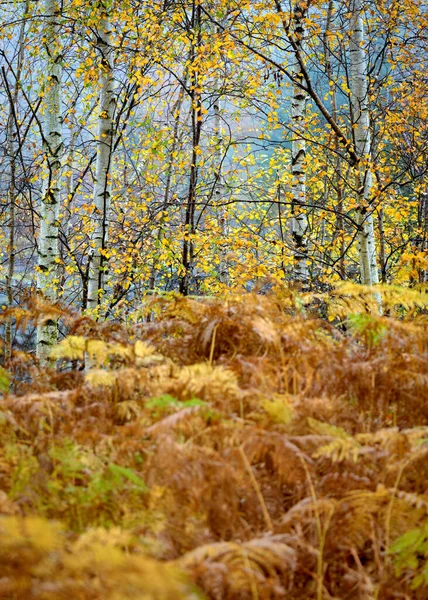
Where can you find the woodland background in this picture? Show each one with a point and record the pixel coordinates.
(213, 268)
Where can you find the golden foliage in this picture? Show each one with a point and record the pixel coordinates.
(37, 562)
(348, 298)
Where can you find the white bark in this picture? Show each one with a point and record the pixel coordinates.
(101, 197)
(299, 223)
(361, 129)
(47, 272)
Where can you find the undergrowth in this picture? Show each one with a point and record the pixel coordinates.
(250, 447)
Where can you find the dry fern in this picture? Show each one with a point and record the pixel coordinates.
(261, 568)
(192, 435)
(92, 567)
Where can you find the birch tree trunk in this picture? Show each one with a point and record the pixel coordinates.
(47, 271)
(299, 222)
(362, 143)
(101, 197)
(12, 151)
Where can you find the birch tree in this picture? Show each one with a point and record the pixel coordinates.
(362, 144)
(102, 184)
(12, 153)
(299, 223)
(48, 250)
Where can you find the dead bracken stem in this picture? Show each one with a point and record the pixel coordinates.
(213, 345)
(321, 530)
(388, 515)
(256, 489)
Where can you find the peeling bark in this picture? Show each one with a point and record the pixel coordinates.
(362, 143)
(299, 222)
(48, 249)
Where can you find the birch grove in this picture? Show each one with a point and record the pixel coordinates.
(208, 147)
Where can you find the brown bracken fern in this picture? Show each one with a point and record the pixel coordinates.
(254, 447)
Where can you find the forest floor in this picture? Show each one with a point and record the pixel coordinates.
(240, 448)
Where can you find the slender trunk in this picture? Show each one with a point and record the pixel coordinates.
(281, 228)
(423, 228)
(11, 238)
(299, 223)
(102, 184)
(48, 256)
(223, 271)
(382, 246)
(323, 234)
(161, 231)
(381, 223)
(68, 173)
(12, 133)
(340, 224)
(362, 143)
(339, 233)
(196, 111)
